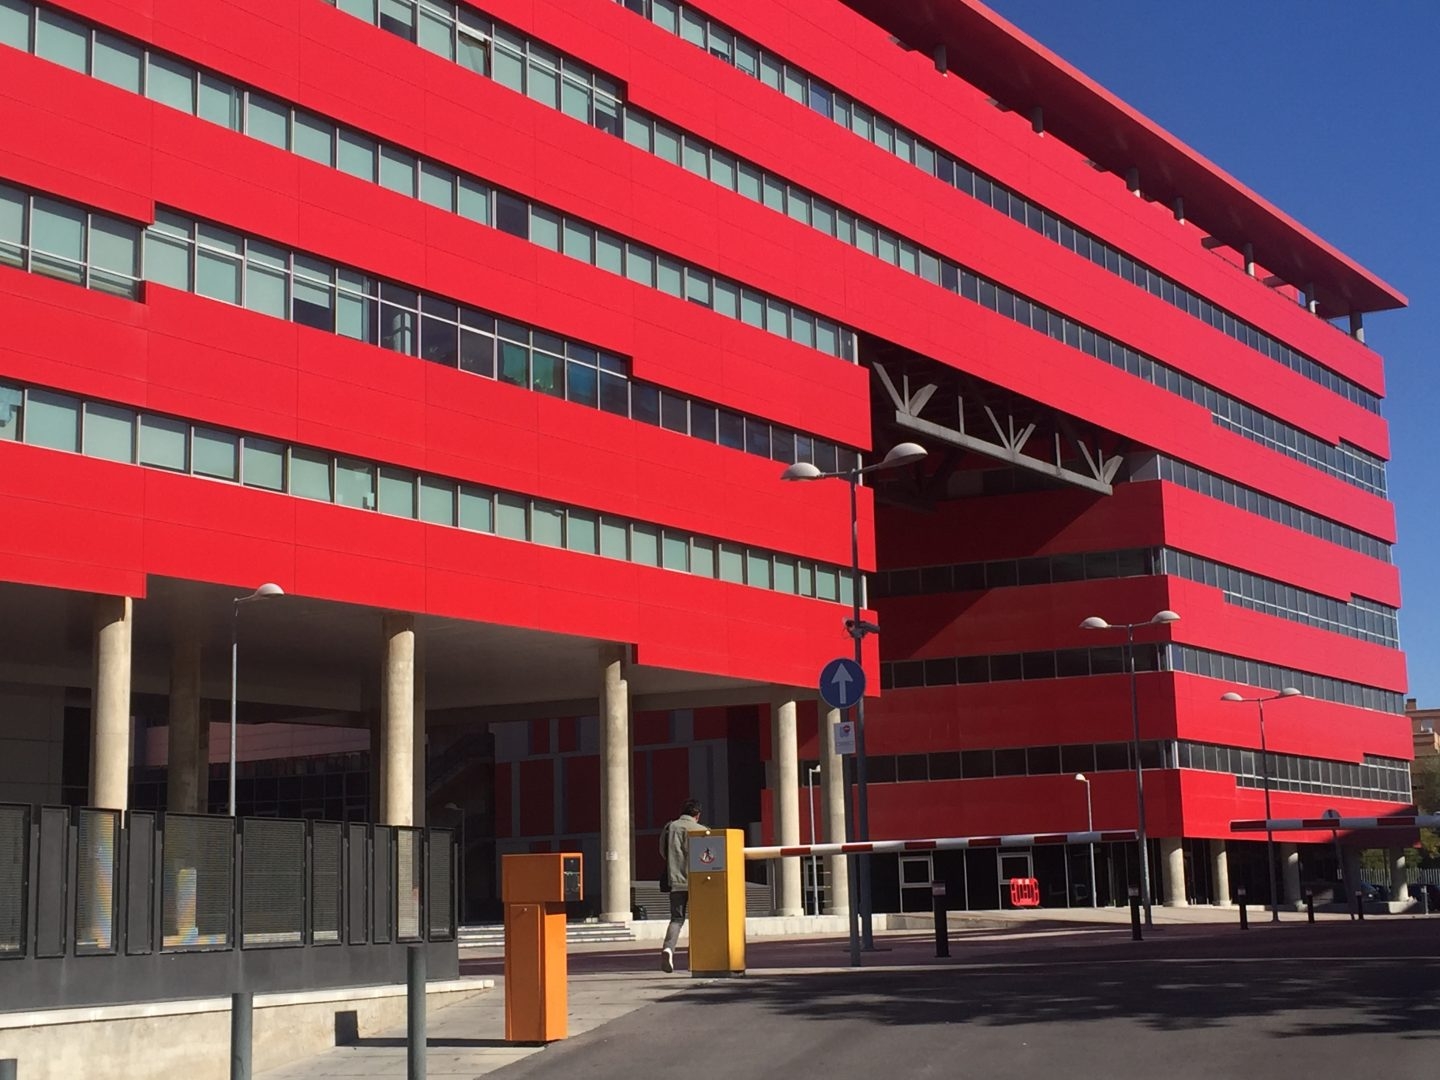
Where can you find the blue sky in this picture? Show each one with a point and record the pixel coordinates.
(1330, 109)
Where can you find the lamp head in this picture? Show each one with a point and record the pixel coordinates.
(1166, 616)
(1094, 622)
(902, 454)
(1290, 691)
(268, 589)
(1231, 696)
(801, 470)
(1081, 777)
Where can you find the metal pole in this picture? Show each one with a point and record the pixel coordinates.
(939, 906)
(234, 684)
(242, 1020)
(1269, 832)
(1090, 827)
(852, 873)
(415, 1013)
(862, 794)
(1139, 778)
(461, 868)
(814, 859)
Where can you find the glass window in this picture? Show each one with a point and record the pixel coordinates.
(220, 102)
(356, 154)
(397, 170)
(266, 279)
(437, 501)
(702, 557)
(12, 226)
(61, 40)
(512, 215)
(543, 76)
(609, 252)
(397, 492)
(57, 239)
(437, 33)
(114, 255)
(675, 551)
(314, 138)
(474, 201)
(757, 569)
(732, 564)
(477, 509)
(614, 538)
(12, 401)
(579, 241)
(52, 420)
(15, 23)
(575, 98)
(109, 432)
(582, 531)
(508, 59)
(164, 443)
(398, 17)
(217, 265)
(214, 453)
(115, 61)
(313, 303)
(547, 524)
(510, 514)
(645, 544)
(309, 474)
(355, 483)
(264, 464)
(267, 120)
(473, 52)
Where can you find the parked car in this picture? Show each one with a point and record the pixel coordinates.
(1373, 891)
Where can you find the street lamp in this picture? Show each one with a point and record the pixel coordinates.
(1288, 691)
(264, 592)
(1160, 618)
(1089, 827)
(814, 859)
(901, 454)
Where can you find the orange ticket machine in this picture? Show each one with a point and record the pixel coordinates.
(535, 889)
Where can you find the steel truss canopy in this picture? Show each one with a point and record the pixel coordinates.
(942, 405)
(944, 843)
(1021, 74)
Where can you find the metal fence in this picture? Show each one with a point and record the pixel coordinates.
(96, 906)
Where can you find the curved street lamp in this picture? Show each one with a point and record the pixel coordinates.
(1287, 692)
(1160, 618)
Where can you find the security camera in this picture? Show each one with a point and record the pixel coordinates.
(859, 627)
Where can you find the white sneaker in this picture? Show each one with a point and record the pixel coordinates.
(667, 960)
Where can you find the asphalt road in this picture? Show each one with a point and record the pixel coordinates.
(1347, 999)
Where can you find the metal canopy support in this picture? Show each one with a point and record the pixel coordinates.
(1011, 437)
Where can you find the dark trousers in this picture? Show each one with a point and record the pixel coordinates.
(679, 903)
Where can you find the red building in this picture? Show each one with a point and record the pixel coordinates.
(485, 330)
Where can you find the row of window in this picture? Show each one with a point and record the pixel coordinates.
(750, 181)
(1382, 779)
(1363, 619)
(1010, 667)
(60, 240)
(182, 86)
(1385, 779)
(1366, 620)
(1161, 467)
(1238, 669)
(41, 417)
(1110, 660)
(749, 57)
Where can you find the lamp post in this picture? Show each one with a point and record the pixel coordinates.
(1089, 827)
(814, 859)
(1287, 692)
(1160, 618)
(264, 592)
(901, 454)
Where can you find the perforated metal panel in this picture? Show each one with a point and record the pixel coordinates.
(409, 876)
(14, 877)
(272, 882)
(382, 881)
(440, 884)
(139, 882)
(357, 885)
(52, 882)
(327, 843)
(97, 859)
(198, 866)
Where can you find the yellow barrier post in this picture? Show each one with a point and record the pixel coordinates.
(535, 889)
(717, 903)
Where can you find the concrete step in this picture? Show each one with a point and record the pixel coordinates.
(492, 936)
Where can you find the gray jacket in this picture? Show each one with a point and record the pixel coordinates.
(675, 850)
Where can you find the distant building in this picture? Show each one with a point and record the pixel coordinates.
(1425, 724)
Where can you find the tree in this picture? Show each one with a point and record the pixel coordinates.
(1425, 783)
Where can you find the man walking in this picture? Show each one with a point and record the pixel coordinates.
(675, 850)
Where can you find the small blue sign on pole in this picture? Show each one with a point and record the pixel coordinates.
(842, 683)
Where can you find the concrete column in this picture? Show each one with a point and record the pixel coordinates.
(1289, 874)
(784, 748)
(182, 756)
(202, 763)
(1172, 872)
(1399, 887)
(1220, 873)
(1357, 326)
(832, 803)
(1248, 252)
(418, 743)
(1350, 862)
(1178, 207)
(615, 820)
(110, 704)
(397, 720)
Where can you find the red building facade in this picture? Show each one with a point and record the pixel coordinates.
(506, 316)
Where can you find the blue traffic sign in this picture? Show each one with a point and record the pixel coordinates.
(842, 683)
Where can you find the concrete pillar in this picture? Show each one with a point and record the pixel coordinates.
(397, 720)
(832, 809)
(1312, 304)
(202, 763)
(1172, 872)
(784, 748)
(110, 704)
(615, 822)
(1220, 873)
(1357, 326)
(182, 756)
(418, 742)
(1289, 874)
(1248, 252)
(1350, 861)
(1399, 887)
(1178, 207)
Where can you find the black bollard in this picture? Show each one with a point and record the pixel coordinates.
(1135, 934)
(242, 1019)
(942, 921)
(1359, 905)
(415, 1041)
(1309, 906)
(1244, 913)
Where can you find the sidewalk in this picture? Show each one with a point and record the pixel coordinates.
(467, 1040)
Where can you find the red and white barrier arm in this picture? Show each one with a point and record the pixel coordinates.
(1397, 821)
(948, 843)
